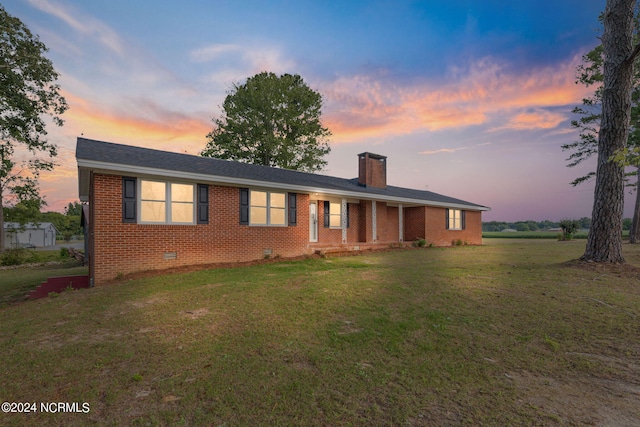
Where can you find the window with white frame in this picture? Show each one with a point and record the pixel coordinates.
(167, 202)
(182, 203)
(267, 208)
(333, 214)
(455, 219)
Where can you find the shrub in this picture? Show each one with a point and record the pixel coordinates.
(420, 242)
(15, 256)
(569, 228)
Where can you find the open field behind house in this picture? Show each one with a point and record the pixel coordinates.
(509, 333)
(541, 234)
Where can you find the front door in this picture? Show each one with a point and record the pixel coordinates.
(313, 222)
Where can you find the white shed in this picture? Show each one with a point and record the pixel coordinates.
(29, 235)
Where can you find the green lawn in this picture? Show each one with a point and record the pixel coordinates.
(503, 334)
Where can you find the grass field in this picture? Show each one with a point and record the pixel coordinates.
(531, 235)
(536, 235)
(509, 333)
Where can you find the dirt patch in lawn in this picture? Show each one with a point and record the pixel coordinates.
(581, 400)
(624, 270)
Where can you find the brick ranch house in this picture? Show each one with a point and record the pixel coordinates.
(151, 209)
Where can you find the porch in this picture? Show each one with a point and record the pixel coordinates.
(335, 248)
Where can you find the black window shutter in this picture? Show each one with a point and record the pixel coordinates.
(463, 219)
(446, 213)
(293, 209)
(348, 219)
(203, 204)
(244, 206)
(326, 215)
(128, 200)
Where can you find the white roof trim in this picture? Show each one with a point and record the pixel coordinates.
(107, 167)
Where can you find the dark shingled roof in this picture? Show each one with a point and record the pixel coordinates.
(107, 152)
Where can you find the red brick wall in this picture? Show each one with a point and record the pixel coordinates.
(325, 234)
(353, 233)
(363, 223)
(125, 248)
(414, 223)
(387, 222)
(391, 232)
(372, 172)
(362, 170)
(430, 223)
(437, 234)
(381, 222)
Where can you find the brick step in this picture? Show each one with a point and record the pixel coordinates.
(58, 284)
(337, 249)
(356, 245)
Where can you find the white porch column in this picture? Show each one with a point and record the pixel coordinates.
(343, 220)
(374, 227)
(400, 224)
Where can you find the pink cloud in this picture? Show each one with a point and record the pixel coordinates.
(535, 120)
(362, 106)
(149, 124)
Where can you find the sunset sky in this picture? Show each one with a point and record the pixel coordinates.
(467, 98)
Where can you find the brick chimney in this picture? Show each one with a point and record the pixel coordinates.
(372, 170)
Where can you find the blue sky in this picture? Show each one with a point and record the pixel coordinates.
(471, 99)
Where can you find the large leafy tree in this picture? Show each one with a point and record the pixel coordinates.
(272, 121)
(28, 92)
(604, 243)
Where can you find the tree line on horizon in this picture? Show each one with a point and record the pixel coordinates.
(583, 223)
